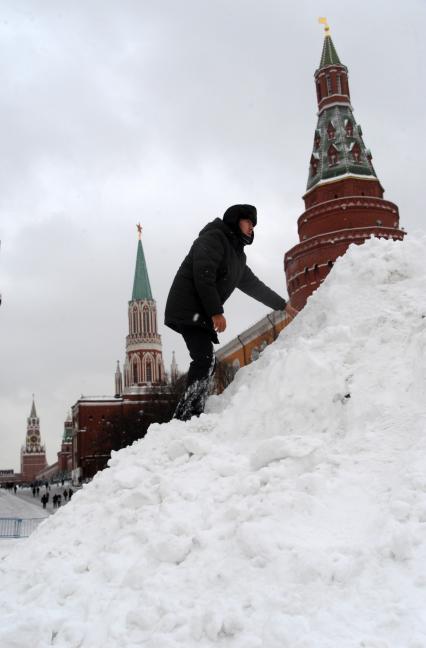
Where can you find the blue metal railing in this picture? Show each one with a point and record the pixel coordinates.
(12, 527)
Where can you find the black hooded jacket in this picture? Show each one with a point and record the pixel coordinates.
(214, 267)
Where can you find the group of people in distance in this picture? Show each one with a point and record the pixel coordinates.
(57, 497)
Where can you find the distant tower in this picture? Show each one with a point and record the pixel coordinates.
(65, 453)
(118, 381)
(33, 453)
(174, 371)
(344, 199)
(143, 367)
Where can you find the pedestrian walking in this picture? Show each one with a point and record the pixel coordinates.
(213, 268)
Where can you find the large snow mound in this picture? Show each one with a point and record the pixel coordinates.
(292, 515)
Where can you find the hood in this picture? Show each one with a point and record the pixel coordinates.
(234, 214)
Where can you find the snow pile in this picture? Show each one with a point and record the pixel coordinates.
(292, 515)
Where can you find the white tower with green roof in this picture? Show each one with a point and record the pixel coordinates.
(143, 366)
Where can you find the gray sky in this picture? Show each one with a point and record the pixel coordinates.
(167, 112)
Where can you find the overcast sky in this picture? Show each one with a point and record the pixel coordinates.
(168, 112)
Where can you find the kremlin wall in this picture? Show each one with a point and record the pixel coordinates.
(344, 204)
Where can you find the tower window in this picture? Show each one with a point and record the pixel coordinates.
(318, 91)
(339, 84)
(329, 88)
(146, 326)
(314, 163)
(356, 152)
(333, 157)
(331, 131)
(148, 372)
(135, 373)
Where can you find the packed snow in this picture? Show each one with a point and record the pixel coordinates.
(293, 514)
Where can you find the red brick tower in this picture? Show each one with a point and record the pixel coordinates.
(33, 453)
(143, 366)
(65, 453)
(344, 199)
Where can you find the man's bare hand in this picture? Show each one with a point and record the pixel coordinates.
(219, 323)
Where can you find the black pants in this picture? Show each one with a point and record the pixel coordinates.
(201, 369)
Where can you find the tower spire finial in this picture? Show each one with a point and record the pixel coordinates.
(324, 21)
(139, 228)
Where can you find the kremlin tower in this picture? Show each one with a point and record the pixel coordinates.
(33, 453)
(143, 366)
(104, 423)
(344, 198)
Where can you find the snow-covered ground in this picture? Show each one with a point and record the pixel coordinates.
(7, 545)
(293, 515)
(14, 506)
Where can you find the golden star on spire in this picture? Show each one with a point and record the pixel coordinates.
(323, 21)
(139, 228)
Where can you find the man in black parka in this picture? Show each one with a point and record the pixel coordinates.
(214, 267)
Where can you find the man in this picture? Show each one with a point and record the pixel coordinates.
(214, 267)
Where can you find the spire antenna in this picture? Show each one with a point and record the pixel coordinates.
(139, 228)
(324, 21)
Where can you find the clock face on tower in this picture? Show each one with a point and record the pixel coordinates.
(33, 439)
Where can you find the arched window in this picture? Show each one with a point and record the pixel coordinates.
(159, 369)
(135, 320)
(319, 91)
(356, 153)
(339, 84)
(333, 157)
(329, 88)
(149, 371)
(145, 320)
(135, 372)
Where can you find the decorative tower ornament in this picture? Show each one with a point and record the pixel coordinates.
(174, 370)
(33, 453)
(118, 381)
(143, 367)
(344, 199)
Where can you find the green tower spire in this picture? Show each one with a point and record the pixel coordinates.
(329, 55)
(141, 285)
(33, 413)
